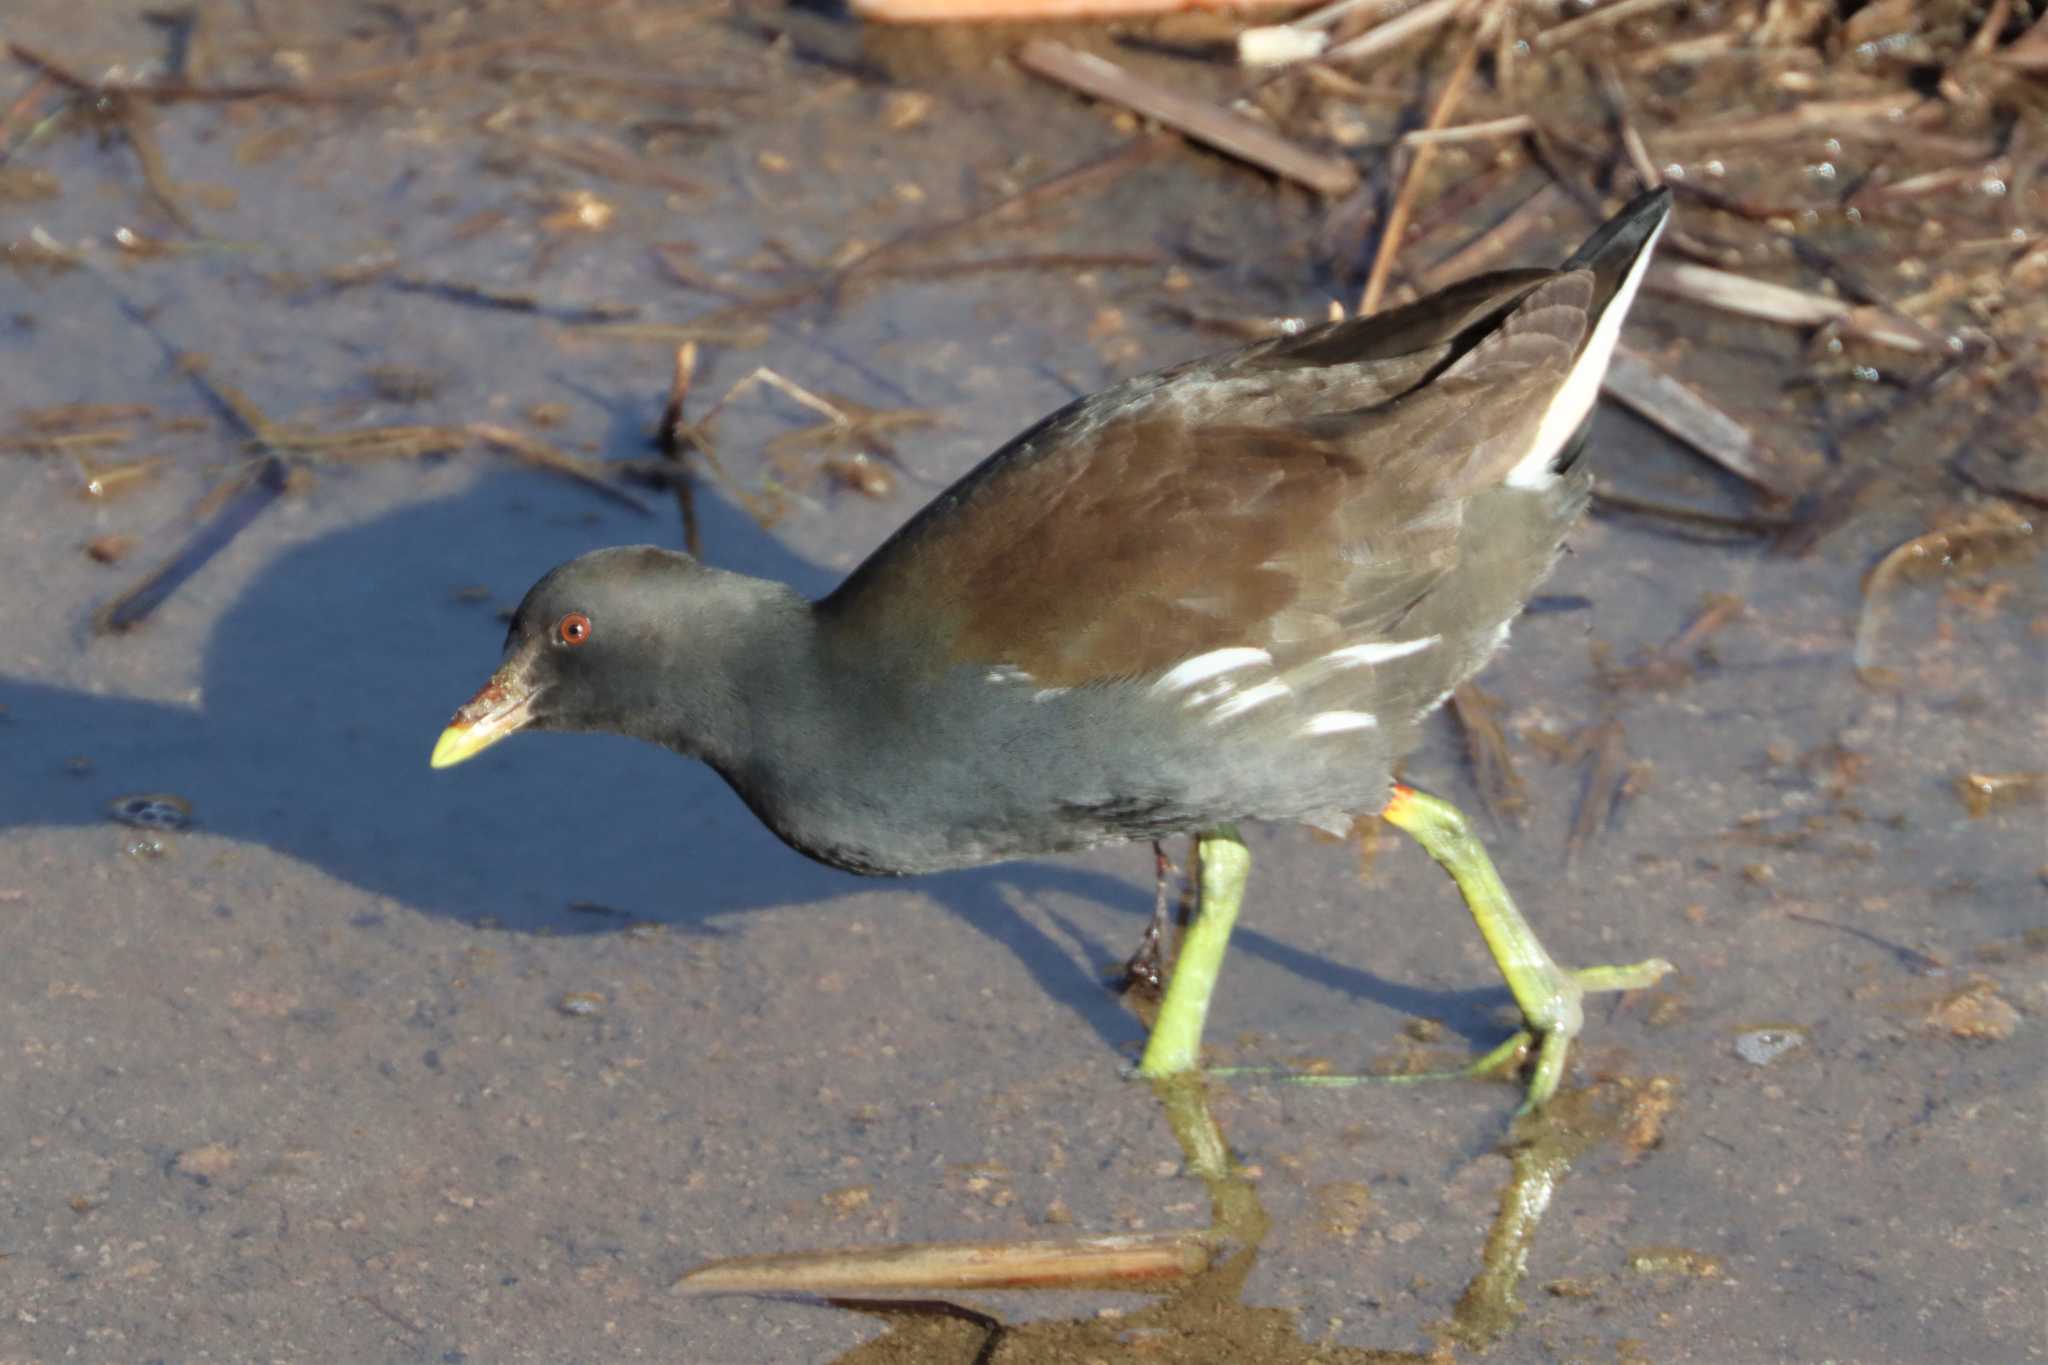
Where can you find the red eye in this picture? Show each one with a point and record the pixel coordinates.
(573, 629)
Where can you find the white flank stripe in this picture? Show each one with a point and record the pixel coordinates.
(1247, 699)
(1582, 385)
(1203, 667)
(1332, 722)
(1377, 652)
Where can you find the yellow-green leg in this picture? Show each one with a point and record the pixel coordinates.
(1175, 1046)
(1551, 998)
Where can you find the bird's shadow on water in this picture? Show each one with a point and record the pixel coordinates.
(326, 682)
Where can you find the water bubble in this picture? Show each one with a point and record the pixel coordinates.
(152, 810)
(1761, 1047)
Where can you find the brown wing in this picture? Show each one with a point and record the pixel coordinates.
(1278, 497)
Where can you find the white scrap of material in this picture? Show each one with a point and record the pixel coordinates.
(1280, 45)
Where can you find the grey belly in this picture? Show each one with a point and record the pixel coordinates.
(1076, 770)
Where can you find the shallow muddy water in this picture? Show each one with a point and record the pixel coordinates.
(370, 1062)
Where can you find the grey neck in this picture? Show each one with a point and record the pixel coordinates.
(747, 653)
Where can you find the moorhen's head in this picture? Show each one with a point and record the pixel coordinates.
(603, 642)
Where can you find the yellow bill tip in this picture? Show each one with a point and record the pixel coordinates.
(503, 707)
(458, 743)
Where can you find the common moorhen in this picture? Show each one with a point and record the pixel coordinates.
(1223, 591)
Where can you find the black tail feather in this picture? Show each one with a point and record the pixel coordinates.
(1616, 243)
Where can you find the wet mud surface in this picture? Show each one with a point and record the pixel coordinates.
(310, 1053)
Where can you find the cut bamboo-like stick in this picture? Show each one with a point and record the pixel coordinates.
(1552, 39)
(986, 11)
(1490, 247)
(1514, 125)
(937, 1267)
(1206, 123)
(1779, 303)
(1677, 409)
(1395, 31)
(2029, 51)
(1396, 225)
(1815, 116)
(1302, 38)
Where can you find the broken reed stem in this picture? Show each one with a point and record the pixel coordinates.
(1666, 403)
(676, 439)
(1420, 158)
(1217, 127)
(1393, 32)
(1570, 30)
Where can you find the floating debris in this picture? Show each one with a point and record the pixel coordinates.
(1610, 778)
(20, 184)
(1673, 1260)
(1643, 1117)
(511, 300)
(1977, 539)
(1670, 664)
(1679, 411)
(1762, 1046)
(862, 473)
(589, 152)
(676, 438)
(32, 441)
(1218, 127)
(1129, 1263)
(1394, 32)
(581, 1004)
(1976, 1013)
(111, 481)
(1779, 303)
(903, 110)
(205, 1163)
(1697, 524)
(580, 211)
(73, 417)
(1501, 788)
(1982, 793)
(1486, 22)
(160, 811)
(592, 474)
(109, 549)
(404, 383)
(39, 251)
(223, 515)
(845, 426)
